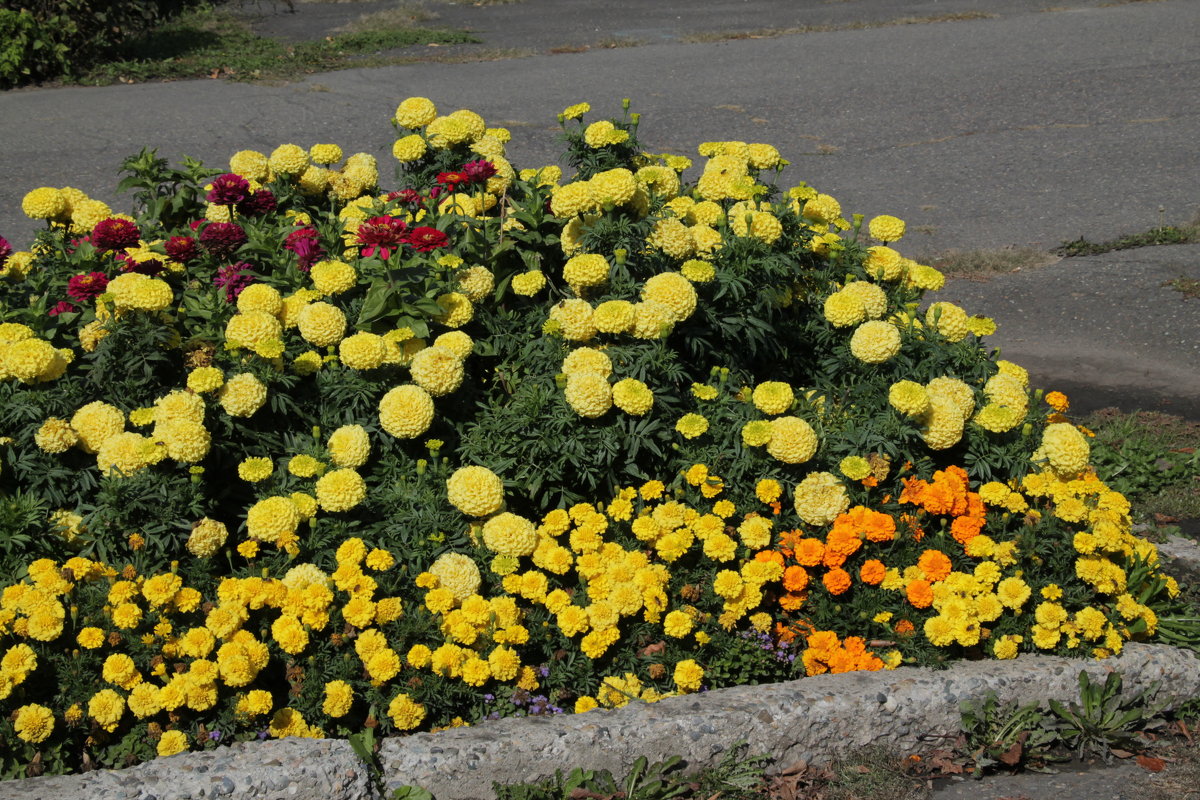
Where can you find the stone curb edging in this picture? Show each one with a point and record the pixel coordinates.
(813, 719)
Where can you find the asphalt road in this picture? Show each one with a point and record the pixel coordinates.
(1024, 129)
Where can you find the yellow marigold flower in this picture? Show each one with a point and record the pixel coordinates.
(1065, 448)
(56, 436)
(924, 277)
(757, 432)
(90, 638)
(475, 491)
(527, 284)
(406, 411)
(437, 370)
(585, 271)
(603, 134)
(349, 446)
(416, 112)
(205, 379)
(576, 111)
(688, 675)
(820, 498)
(95, 423)
(589, 394)
(333, 277)
(409, 148)
(510, 535)
(340, 490)
(949, 320)
(33, 723)
(339, 697)
(614, 187)
(773, 397)
(793, 441)
(362, 350)
(673, 238)
(242, 395)
(321, 324)
(106, 707)
(874, 342)
(691, 425)
(405, 712)
(632, 396)
(886, 228)
(255, 469)
(272, 518)
(855, 468)
(45, 203)
(768, 490)
(587, 359)
(457, 573)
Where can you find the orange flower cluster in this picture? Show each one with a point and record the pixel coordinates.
(948, 494)
(826, 654)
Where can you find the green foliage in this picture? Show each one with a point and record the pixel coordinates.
(1103, 719)
(49, 39)
(1007, 735)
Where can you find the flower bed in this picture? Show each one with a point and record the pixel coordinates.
(288, 454)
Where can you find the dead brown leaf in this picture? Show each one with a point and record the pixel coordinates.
(1151, 764)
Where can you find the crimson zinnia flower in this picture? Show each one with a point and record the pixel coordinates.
(306, 244)
(115, 234)
(234, 279)
(228, 190)
(257, 204)
(479, 171)
(222, 238)
(87, 287)
(182, 248)
(151, 266)
(5, 250)
(407, 196)
(425, 239)
(63, 307)
(382, 235)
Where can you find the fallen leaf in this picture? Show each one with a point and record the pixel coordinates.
(1151, 764)
(1121, 753)
(862, 769)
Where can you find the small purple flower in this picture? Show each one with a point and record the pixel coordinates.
(262, 734)
(489, 697)
(544, 671)
(214, 736)
(228, 190)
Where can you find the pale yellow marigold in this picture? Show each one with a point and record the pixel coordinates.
(843, 309)
(288, 159)
(603, 134)
(409, 148)
(207, 537)
(773, 397)
(884, 263)
(793, 441)
(45, 203)
(587, 359)
(674, 292)
(250, 328)
(527, 284)
(632, 396)
(340, 490)
(56, 436)
(458, 573)
(205, 379)
(614, 187)
(406, 411)
(321, 324)
(475, 491)
(272, 517)
(574, 319)
(585, 271)
(362, 350)
(909, 398)
(437, 370)
(943, 426)
(673, 238)
(333, 277)
(589, 394)
(242, 395)
(872, 297)
(260, 297)
(1065, 448)
(510, 535)
(820, 498)
(614, 316)
(950, 320)
(875, 342)
(349, 446)
(456, 309)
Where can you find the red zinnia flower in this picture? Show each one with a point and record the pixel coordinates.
(234, 279)
(425, 239)
(257, 204)
(382, 235)
(407, 196)
(5, 250)
(115, 234)
(228, 190)
(452, 179)
(87, 287)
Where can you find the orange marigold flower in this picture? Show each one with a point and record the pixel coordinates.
(833, 558)
(964, 529)
(935, 564)
(770, 556)
(913, 488)
(795, 579)
(919, 593)
(913, 524)
(837, 581)
(1058, 401)
(904, 628)
(855, 645)
(792, 602)
(842, 539)
(809, 552)
(870, 482)
(872, 572)
(822, 640)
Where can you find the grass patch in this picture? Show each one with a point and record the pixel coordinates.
(1188, 287)
(1150, 457)
(768, 33)
(210, 44)
(985, 263)
(1163, 234)
(404, 16)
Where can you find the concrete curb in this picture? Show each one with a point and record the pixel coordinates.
(813, 719)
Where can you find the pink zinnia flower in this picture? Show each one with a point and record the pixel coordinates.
(222, 238)
(306, 244)
(425, 239)
(228, 190)
(5, 250)
(479, 171)
(115, 234)
(87, 287)
(381, 234)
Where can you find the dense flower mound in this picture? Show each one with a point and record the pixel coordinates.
(288, 451)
